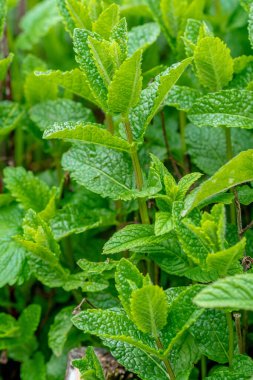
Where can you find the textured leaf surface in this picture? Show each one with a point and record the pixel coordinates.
(107, 21)
(87, 133)
(226, 262)
(125, 88)
(182, 314)
(59, 330)
(142, 36)
(131, 237)
(149, 309)
(163, 223)
(30, 191)
(153, 96)
(114, 325)
(61, 110)
(182, 97)
(230, 108)
(85, 59)
(229, 175)
(211, 335)
(214, 63)
(74, 81)
(12, 257)
(231, 292)
(37, 22)
(128, 279)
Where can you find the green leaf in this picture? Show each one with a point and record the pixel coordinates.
(190, 242)
(153, 97)
(142, 36)
(231, 292)
(163, 223)
(75, 14)
(226, 262)
(224, 108)
(59, 330)
(107, 21)
(119, 34)
(155, 9)
(34, 368)
(125, 88)
(213, 62)
(36, 23)
(182, 314)
(74, 81)
(12, 257)
(250, 25)
(229, 175)
(87, 133)
(39, 89)
(131, 237)
(210, 332)
(185, 183)
(85, 58)
(30, 191)
(57, 111)
(89, 364)
(4, 65)
(29, 320)
(128, 279)
(245, 195)
(10, 115)
(113, 325)
(172, 12)
(149, 309)
(42, 251)
(182, 97)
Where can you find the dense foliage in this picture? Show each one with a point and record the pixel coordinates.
(126, 161)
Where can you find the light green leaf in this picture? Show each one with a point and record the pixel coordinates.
(74, 81)
(182, 97)
(57, 111)
(163, 223)
(185, 183)
(42, 251)
(34, 368)
(213, 62)
(59, 330)
(107, 21)
(142, 36)
(75, 14)
(229, 175)
(250, 25)
(172, 12)
(226, 262)
(128, 279)
(230, 108)
(125, 88)
(94, 268)
(85, 58)
(89, 365)
(231, 292)
(36, 23)
(4, 65)
(10, 115)
(153, 97)
(27, 189)
(120, 35)
(29, 320)
(131, 237)
(87, 133)
(39, 89)
(155, 9)
(149, 309)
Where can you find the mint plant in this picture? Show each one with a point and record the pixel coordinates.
(126, 188)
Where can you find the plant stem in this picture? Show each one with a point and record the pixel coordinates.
(230, 338)
(138, 174)
(229, 150)
(245, 329)
(182, 126)
(165, 360)
(237, 317)
(19, 145)
(109, 123)
(203, 367)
